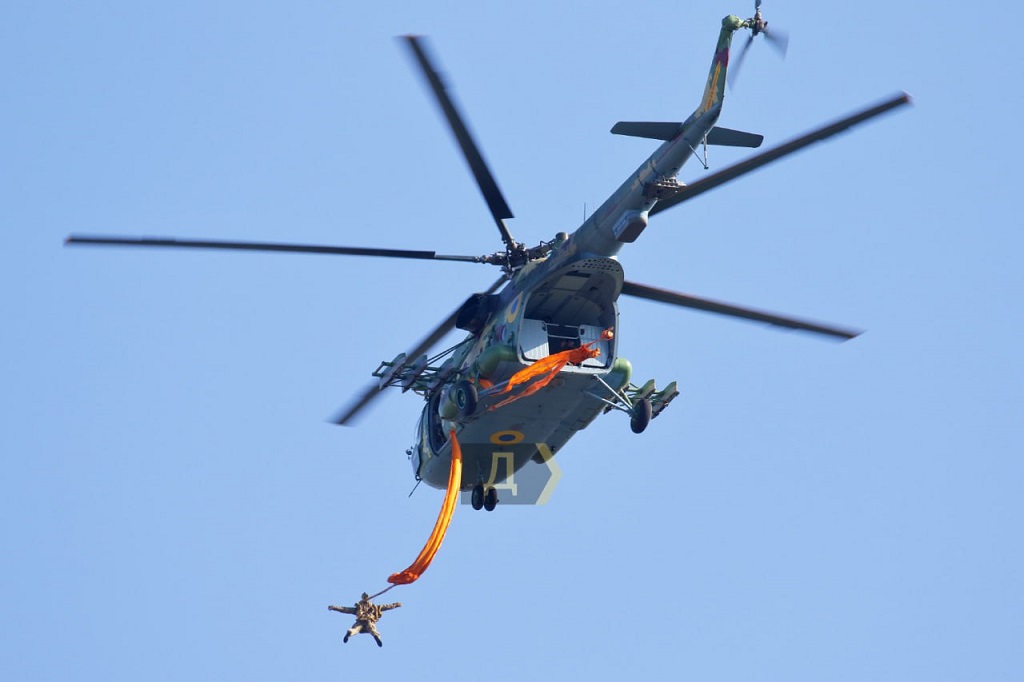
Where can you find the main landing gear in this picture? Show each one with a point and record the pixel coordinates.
(484, 498)
(641, 403)
(640, 415)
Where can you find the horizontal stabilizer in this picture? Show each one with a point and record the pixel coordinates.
(654, 130)
(726, 137)
(650, 130)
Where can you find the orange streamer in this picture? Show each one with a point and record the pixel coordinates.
(552, 365)
(411, 574)
(546, 369)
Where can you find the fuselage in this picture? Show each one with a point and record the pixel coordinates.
(564, 300)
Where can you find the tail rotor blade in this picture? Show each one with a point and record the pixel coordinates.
(734, 69)
(778, 39)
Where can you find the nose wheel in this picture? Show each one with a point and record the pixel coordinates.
(483, 498)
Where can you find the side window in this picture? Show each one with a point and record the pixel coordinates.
(562, 337)
(436, 434)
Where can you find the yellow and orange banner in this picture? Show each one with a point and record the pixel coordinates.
(426, 555)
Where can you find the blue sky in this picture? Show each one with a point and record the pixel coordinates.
(175, 505)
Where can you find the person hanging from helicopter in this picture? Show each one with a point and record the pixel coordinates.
(367, 614)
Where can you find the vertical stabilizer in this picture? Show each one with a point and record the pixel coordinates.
(714, 91)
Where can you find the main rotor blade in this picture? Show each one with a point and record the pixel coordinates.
(711, 306)
(775, 153)
(488, 186)
(363, 399)
(168, 242)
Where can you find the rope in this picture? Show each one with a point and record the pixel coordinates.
(382, 592)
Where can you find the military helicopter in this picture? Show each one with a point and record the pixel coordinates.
(556, 296)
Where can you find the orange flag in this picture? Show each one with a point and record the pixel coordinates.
(411, 574)
(552, 365)
(546, 369)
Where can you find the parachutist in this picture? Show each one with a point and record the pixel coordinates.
(367, 614)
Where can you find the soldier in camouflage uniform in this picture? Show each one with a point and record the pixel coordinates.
(367, 614)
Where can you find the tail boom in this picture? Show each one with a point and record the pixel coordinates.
(623, 216)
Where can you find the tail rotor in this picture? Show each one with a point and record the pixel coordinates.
(778, 39)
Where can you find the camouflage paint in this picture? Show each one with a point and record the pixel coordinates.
(714, 91)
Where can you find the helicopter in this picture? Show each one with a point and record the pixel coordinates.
(553, 298)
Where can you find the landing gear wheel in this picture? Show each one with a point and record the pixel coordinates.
(641, 416)
(490, 499)
(465, 397)
(476, 498)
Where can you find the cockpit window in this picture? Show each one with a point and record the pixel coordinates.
(436, 434)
